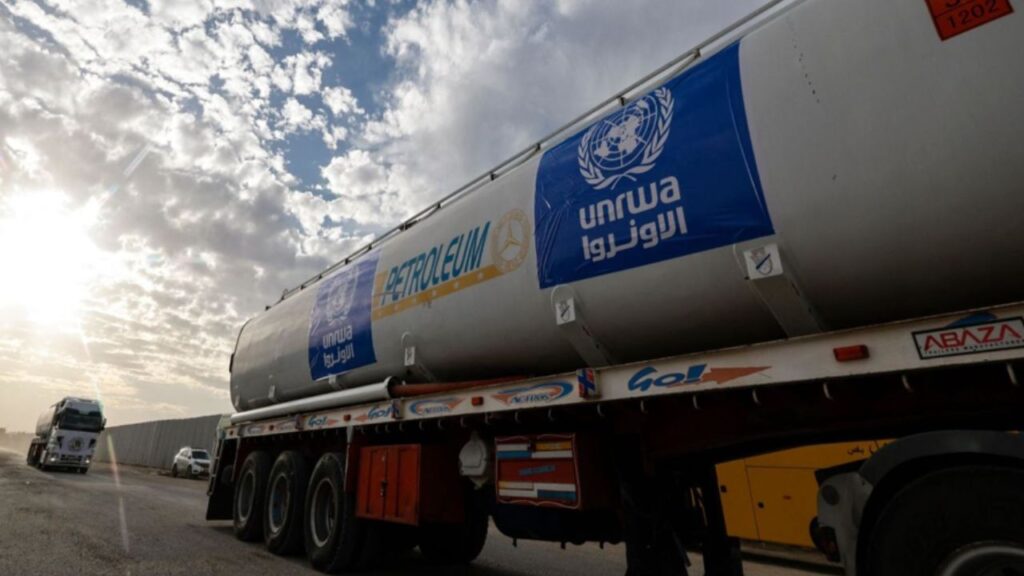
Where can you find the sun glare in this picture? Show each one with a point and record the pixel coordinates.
(46, 258)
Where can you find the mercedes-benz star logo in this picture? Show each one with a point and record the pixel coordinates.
(511, 241)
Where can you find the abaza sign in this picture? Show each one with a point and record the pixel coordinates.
(970, 338)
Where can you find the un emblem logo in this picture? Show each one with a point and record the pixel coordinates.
(627, 143)
(341, 294)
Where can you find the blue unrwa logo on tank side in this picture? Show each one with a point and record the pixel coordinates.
(671, 174)
(340, 327)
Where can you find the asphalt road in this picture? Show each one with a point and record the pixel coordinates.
(136, 522)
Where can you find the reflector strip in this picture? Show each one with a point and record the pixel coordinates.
(513, 447)
(517, 493)
(550, 495)
(848, 353)
(527, 455)
(542, 491)
(556, 487)
(552, 454)
(567, 445)
(518, 455)
(552, 486)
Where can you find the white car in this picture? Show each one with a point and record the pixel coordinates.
(191, 462)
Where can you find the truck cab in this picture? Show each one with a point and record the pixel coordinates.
(66, 435)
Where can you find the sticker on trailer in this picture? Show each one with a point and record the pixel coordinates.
(587, 380)
(972, 335)
(648, 379)
(378, 412)
(469, 258)
(954, 17)
(534, 394)
(320, 421)
(763, 262)
(435, 406)
(537, 471)
(340, 328)
(288, 427)
(670, 174)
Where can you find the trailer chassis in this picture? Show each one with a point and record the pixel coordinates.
(946, 386)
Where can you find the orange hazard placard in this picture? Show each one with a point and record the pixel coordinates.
(953, 17)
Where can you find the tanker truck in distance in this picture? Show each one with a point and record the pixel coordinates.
(801, 231)
(66, 435)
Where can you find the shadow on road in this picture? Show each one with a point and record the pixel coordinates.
(400, 565)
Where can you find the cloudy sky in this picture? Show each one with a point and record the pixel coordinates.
(168, 167)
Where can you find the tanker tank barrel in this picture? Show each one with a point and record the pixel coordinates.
(711, 204)
(674, 66)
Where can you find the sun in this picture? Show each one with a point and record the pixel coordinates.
(47, 260)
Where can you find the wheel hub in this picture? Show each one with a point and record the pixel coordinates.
(246, 495)
(323, 516)
(279, 503)
(985, 559)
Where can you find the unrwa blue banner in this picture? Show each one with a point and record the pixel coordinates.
(670, 174)
(340, 326)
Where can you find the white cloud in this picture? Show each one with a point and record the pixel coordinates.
(341, 101)
(323, 236)
(306, 69)
(334, 135)
(298, 118)
(200, 227)
(265, 33)
(210, 224)
(336, 19)
(180, 13)
(355, 174)
(479, 81)
(366, 190)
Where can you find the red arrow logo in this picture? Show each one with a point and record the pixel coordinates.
(723, 375)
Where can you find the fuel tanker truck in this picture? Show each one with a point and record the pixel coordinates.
(66, 435)
(802, 230)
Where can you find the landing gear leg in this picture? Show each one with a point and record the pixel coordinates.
(721, 552)
(653, 546)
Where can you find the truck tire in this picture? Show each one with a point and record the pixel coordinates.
(461, 543)
(250, 493)
(283, 530)
(334, 536)
(943, 519)
(174, 471)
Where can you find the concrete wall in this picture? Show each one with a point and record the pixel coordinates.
(15, 441)
(154, 444)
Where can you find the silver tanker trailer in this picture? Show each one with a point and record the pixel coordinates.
(804, 230)
(881, 165)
